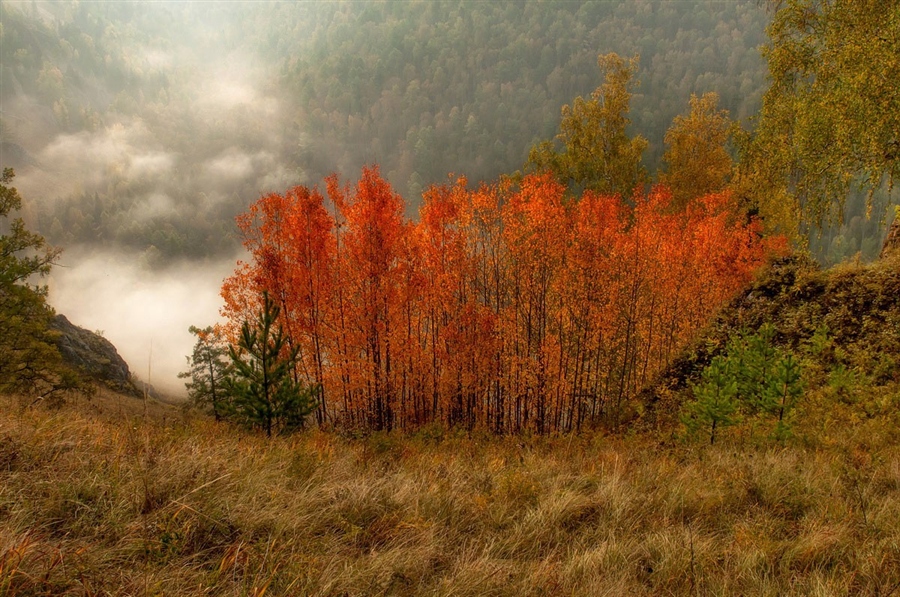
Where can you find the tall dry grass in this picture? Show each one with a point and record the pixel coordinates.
(114, 504)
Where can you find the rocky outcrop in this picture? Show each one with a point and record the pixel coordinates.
(892, 242)
(856, 306)
(93, 355)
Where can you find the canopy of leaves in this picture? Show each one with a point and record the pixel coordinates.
(830, 121)
(697, 161)
(507, 307)
(22, 253)
(596, 152)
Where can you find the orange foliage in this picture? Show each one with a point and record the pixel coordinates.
(508, 307)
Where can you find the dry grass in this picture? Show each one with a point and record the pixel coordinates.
(100, 501)
(96, 504)
(115, 497)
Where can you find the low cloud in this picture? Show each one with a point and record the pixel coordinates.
(228, 94)
(278, 179)
(230, 87)
(232, 165)
(136, 308)
(156, 205)
(198, 149)
(263, 169)
(152, 164)
(76, 163)
(155, 58)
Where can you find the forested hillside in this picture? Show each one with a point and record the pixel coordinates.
(428, 88)
(149, 126)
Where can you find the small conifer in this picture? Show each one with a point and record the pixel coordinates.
(209, 366)
(262, 387)
(716, 403)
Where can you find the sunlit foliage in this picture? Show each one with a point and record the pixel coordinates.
(697, 161)
(596, 152)
(507, 307)
(830, 119)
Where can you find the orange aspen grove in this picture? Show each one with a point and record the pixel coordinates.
(311, 263)
(537, 238)
(482, 218)
(371, 272)
(410, 370)
(241, 295)
(510, 308)
(445, 320)
(342, 373)
(588, 285)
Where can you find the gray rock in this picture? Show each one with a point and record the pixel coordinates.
(94, 355)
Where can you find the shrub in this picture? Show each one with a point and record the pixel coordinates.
(754, 378)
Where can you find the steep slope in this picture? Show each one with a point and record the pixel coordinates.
(843, 323)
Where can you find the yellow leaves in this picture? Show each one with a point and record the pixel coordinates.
(829, 118)
(697, 161)
(596, 152)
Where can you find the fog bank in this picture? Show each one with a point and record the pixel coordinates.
(137, 308)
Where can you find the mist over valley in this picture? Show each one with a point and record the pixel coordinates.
(138, 131)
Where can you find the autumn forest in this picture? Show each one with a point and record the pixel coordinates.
(510, 307)
(476, 298)
(542, 302)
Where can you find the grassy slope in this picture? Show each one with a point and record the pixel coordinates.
(97, 500)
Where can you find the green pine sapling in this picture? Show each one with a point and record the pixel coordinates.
(715, 405)
(261, 384)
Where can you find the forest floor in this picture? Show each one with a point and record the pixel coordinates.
(111, 497)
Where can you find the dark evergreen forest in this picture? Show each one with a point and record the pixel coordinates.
(149, 126)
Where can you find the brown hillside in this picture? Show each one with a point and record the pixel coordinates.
(858, 306)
